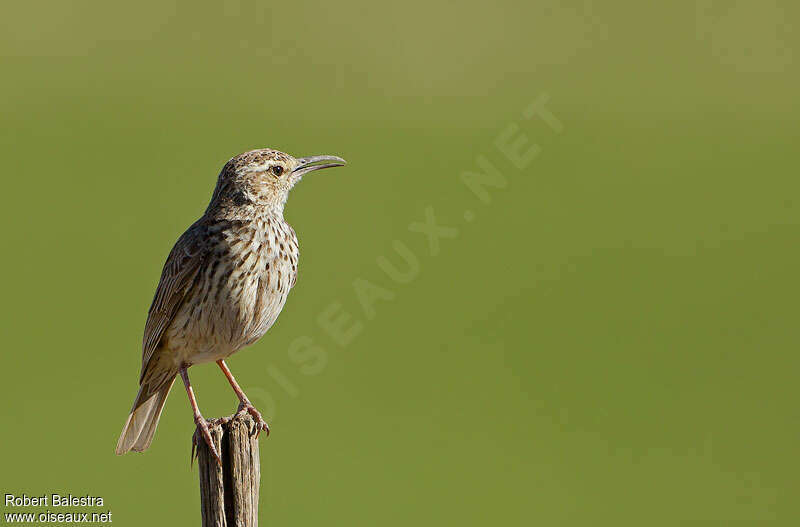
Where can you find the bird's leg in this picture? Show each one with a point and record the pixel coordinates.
(202, 426)
(244, 402)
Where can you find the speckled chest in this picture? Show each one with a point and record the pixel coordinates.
(250, 268)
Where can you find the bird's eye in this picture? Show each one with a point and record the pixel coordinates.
(277, 170)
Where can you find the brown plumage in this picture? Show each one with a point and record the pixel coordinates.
(223, 285)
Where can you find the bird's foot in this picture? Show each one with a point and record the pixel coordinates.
(260, 423)
(202, 430)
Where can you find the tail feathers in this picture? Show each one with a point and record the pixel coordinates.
(137, 434)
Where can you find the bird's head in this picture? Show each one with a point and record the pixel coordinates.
(264, 177)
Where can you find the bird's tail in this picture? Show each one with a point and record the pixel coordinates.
(137, 434)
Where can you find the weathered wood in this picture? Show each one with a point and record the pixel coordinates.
(229, 494)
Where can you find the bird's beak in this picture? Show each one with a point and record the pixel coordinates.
(309, 164)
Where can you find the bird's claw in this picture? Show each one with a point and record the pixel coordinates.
(202, 430)
(261, 424)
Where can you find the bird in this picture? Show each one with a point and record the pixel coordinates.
(222, 287)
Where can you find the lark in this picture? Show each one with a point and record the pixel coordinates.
(223, 286)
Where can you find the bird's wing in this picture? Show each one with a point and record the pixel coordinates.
(177, 279)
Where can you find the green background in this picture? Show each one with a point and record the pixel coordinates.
(612, 340)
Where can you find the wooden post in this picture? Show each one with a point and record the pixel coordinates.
(229, 494)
